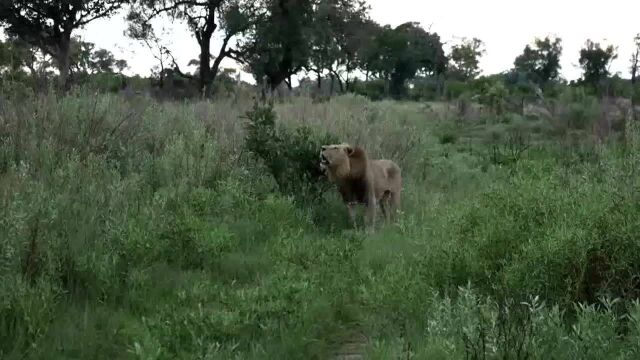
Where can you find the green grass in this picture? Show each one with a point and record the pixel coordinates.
(133, 229)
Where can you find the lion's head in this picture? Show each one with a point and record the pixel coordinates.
(342, 160)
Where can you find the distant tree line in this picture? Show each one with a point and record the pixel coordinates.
(274, 40)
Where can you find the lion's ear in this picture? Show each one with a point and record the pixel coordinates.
(324, 147)
(349, 150)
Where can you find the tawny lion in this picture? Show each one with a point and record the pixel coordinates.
(363, 181)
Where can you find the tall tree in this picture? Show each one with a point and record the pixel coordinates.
(465, 59)
(635, 59)
(49, 25)
(80, 54)
(540, 63)
(204, 18)
(103, 60)
(336, 27)
(399, 54)
(15, 55)
(364, 43)
(158, 48)
(595, 62)
(635, 63)
(121, 65)
(278, 46)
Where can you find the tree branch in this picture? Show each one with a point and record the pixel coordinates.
(157, 11)
(84, 19)
(176, 67)
(235, 55)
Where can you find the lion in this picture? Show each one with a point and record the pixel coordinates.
(363, 181)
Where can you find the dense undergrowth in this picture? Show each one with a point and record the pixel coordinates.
(135, 229)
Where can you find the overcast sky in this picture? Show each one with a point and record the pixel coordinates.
(505, 26)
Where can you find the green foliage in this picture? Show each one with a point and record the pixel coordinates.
(278, 46)
(339, 28)
(595, 62)
(465, 59)
(290, 156)
(205, 19)
(495, 95)
(48, 27)
(579, 110)
(136, 229)
(374, 90)
(399, 54)
(540, 63)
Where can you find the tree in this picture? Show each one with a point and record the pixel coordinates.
(364, 43)
(121, 65)
(102, 60)
(80, 53)
(635, 59)
(635, 63)
(540, 63)
(49, 25)
(278, 46)
(335, 25)
(204, 18)
(15, 54)
(399, 54)
(465, 59)
(595, 62)
(158, 49)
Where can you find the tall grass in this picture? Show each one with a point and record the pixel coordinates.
(144, 230)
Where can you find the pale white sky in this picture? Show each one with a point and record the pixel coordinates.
(505, 26)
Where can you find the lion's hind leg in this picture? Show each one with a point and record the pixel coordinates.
(385, 206)
(394, 202)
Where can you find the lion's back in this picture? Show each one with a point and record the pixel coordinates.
(387, 173)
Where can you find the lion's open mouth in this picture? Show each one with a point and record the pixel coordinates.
(324, 160)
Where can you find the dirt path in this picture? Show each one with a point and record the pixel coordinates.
(352, 348)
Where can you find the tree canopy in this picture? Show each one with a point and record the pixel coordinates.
(595, 61)
(49, 25)
(540, 62)
(465, 59)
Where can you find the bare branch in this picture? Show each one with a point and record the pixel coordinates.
(176, 67)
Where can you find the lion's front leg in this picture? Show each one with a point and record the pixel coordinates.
(352, 214)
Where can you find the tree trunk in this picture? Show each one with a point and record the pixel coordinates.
(161, 79)
(634, 78)
(319, 80)
(634, 67)
(63, 62)
(333, 79)
(205, 77)
(337, 77)
(347, 83)
(207, 72)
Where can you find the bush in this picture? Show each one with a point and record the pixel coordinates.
(161, 239)
(579, 115)
(291, 156)
(374, 89)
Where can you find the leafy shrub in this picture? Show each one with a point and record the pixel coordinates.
(455, 89)
(579, 115)
(494, 95)
(374, 90)
(291, 156)
(425, 89)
